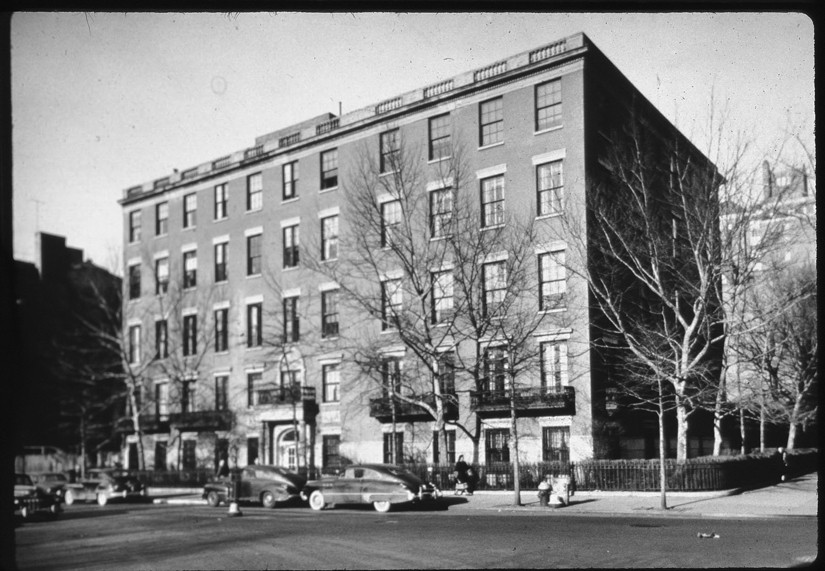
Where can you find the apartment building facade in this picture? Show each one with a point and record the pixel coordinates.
(244, 349)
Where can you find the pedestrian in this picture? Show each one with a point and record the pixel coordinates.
(460, 473)
(223, 469)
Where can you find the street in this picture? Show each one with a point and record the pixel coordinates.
(197, 537)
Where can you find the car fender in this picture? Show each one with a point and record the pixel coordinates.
(384, 497)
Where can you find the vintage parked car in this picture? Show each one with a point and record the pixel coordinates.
(269, 485)
(28, 498)
(381, 485)
(105, 484)
(51, 482)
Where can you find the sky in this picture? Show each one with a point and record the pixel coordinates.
(106, 101)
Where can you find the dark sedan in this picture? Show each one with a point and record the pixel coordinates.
(51, 482)
(381, 485)
(105, 484)
(29, 498)
(268, 485)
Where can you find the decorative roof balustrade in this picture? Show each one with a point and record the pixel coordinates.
(548, 51)
(289, 140)
(388, 105)
(327, 126)
(490, 71)
(222, 162)
(438, 88)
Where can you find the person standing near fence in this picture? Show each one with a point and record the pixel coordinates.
(460, 474)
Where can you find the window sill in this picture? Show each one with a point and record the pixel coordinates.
(328, 260)
(331, 338)
(289, 268)
(156, 236)
(438, 160)
(439, 238)
(249, 276)
(290, 200)
(490, 146)
(221, 282)
(254, 210)
(548, 130)
(493, 227)
(387, 173)
(330, 189)
(546, 216)
(189, 229)
(224, 352)
(253, 349)
(554, 310)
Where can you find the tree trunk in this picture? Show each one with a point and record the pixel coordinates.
(514, 447)
(761, 419)
(662, 472)
(742, 448)
(681, 429)
(718, 414)
(136, 427)
(792, 424)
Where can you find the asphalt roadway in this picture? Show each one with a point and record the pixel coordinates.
(482, 531)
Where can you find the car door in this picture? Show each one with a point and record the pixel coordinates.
(248, 483)
(348, 487)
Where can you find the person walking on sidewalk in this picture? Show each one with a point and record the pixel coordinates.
(460, 473)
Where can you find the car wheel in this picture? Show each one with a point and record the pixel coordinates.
(316, 500)
(69, 497)
(382, 507)
(213, 499)
(268, 500)
(102, 499)
(25, 512)
(55, 509)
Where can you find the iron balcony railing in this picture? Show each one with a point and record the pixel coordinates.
(381, 408)
(525, 398)
(202, 420)
(284, 395)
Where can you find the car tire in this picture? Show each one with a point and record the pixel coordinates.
(268, 500)
(54, 509)
(213, 499)
(102, 499)
(317, 501)
(25, 513)
(69, 497)
(383, 506)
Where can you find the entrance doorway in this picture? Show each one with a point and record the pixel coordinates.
(287, 451)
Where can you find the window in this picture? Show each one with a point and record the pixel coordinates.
(495, 368)
(450, 456)
(290, 381)
(440, 137)
(548, 105)
(160, 455)
(329, 169)
(161, 219)
(161, 275)
(190, 335)
(254, 333)
(495, 286)
(187, 397)
(331, 379)
(389, 150)
(291, 243)
(329, 313)
(220, 262)
(221, 329)
(254, 192)
(441, 212)
(330, 447)
(390, 376)
(391, 300)
(221, 199)
(134, 226)
(329, 238)
(190, 207)
(555, 444)
(442, 297)
(549, 188)
(446, 372)
(252, 447)
(189, 458)
(390, 221)
(253, 255)
(289, 173)
(552, 280)
(497, 445)
(492, 201)
(190, 269)
(134, 281)
(491, 122)
(292, 330)
(393, 454)
(554, 365)
(162, 401)
(161, 339)
(257, 393)
(134, 344)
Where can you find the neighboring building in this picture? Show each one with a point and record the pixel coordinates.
(213, 266)
(49, 295)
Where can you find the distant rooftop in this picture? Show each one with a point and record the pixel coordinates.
(314, 129)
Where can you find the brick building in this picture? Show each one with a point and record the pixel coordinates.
(215, 270)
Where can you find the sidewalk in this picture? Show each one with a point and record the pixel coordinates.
(794, 498)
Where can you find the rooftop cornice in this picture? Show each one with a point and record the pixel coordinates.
(328, 127)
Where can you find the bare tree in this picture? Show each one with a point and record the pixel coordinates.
(652, 248)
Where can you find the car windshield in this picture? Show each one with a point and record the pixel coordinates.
(22, 480)
(53, 478)
(401, 472)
